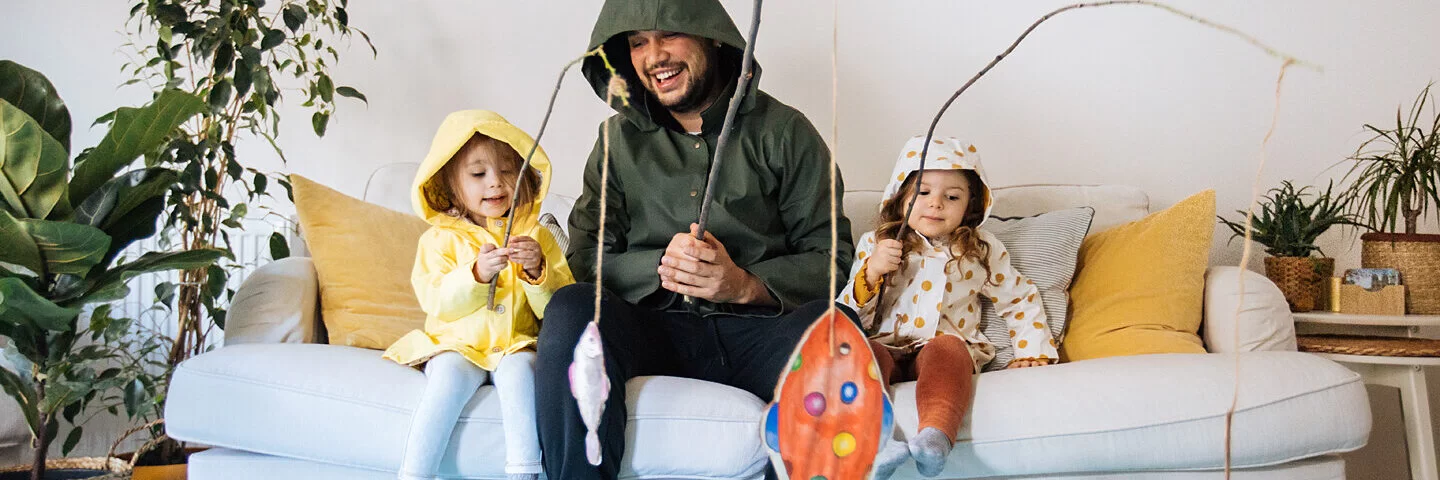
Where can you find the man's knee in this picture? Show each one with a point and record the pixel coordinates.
(566, 314)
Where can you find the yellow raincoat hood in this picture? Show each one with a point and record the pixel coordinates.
(457, 129)
(458, 317)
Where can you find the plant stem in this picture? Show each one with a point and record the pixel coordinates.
(42, 438)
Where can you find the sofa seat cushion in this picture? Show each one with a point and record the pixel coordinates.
(226, 464)
(1153, 412)
(347, 406)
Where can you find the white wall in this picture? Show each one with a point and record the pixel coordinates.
(1127, 95)
(1123, 95)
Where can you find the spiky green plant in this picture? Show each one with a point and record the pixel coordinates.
(1290, 220)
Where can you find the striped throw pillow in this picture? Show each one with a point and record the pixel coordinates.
(1044, 248)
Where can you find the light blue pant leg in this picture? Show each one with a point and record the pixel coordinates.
(515, 384)
(450, 381)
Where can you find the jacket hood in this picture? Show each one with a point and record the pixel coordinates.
(703, 18)
(945, 153)
(454, 132)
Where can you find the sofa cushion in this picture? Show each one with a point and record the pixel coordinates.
(363, 255)
(1262, 323)
(1140, 286)
(1153, 412)
(227, 464)
(347, 406)
(1044, 249)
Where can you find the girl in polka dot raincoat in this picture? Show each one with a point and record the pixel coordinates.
(929, 322)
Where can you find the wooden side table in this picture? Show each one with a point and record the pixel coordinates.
(1404, 373)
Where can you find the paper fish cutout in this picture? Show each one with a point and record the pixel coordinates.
(590, 386)
(831, 411)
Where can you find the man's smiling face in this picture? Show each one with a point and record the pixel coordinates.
(675, 67)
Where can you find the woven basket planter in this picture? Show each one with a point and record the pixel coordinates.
(1417, 257)
(1301, 280)
(101, 469)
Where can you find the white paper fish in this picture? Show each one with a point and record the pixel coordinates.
(590, 386)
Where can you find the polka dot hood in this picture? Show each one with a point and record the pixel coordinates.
(944, 154)
(932, 295)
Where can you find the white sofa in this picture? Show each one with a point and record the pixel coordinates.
(279, 405)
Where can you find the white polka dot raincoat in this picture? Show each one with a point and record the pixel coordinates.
(933, 296)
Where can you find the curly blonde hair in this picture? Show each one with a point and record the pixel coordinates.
(965, 241)
(440, 191)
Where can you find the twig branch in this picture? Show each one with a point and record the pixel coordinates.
(929, 134)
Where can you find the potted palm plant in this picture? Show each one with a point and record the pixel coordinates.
(1394, 178)
(1287, 225)
(63, 226)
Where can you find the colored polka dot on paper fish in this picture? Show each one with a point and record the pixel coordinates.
(815, 404)
(844, 444)
(848, 391)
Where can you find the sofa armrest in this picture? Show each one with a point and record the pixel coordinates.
(278, 303)
(1263, 322)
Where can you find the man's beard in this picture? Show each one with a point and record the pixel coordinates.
(697, 93)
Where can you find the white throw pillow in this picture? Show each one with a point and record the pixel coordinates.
(1264, 323)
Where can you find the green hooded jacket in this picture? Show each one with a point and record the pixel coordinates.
(772, 200)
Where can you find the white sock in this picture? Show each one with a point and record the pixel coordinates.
(929, 448)
(891, 456)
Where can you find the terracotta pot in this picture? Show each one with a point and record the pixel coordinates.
(160, 472)
(1417, 257)
(1303, 280)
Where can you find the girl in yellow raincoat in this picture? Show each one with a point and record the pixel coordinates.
(464, 190)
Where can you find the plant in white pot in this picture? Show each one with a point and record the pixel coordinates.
(1394, 178)
(1287, 225)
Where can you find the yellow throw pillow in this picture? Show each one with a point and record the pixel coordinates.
(363, 255)
(1140, 287)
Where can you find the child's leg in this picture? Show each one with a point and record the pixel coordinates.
(450, 381)
(884, 360)
(942, 396)
(515, 383)
(893, 452)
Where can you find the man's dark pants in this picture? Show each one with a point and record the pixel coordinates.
(743, 352)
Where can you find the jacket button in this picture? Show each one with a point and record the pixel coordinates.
(697, 145)
(694, 192)
(499, 309)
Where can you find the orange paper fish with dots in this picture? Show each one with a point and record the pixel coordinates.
(831, 411)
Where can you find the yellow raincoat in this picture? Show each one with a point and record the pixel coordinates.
(457, 319)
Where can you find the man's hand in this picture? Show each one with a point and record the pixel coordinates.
(884, 259)
(526, 252)
(490, 262)
(703, 269)
(1026, 364)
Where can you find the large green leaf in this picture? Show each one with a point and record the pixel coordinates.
(24, 395)
(67, 247)
(33, 163)
(134, 132)
(22, 307)
(118, 196)
(32, 93)
(111, 285)
(19, 248)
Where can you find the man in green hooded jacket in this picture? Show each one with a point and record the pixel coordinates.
(758, 279)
